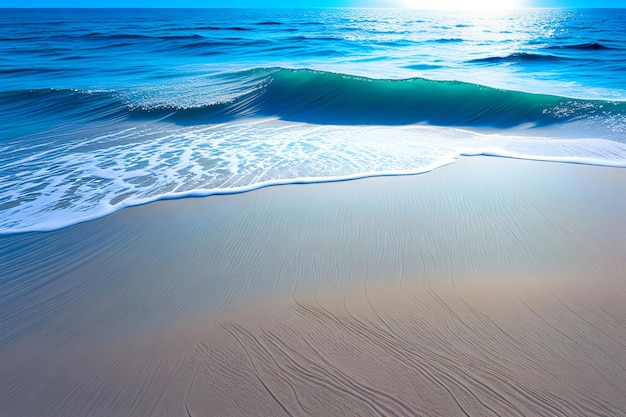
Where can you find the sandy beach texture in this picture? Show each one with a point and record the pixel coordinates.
(489, 287)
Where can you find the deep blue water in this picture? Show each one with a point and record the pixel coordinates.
(102, 109)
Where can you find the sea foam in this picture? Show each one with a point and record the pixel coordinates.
(55, 189)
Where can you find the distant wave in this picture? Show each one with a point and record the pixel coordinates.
(422, 66)
(446, 40)
(519, 57)
(211, 28)
(315, 38)
(340, 99)
(134, 36)
(235, 28)
(582, 46)
(19, 39)
(11, 71)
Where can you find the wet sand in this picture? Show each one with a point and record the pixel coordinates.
(487, 287)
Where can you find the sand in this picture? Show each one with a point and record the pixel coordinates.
(487, 287)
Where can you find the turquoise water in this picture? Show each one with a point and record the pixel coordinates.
(104, 109)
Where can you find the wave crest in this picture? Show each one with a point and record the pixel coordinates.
(317, 97)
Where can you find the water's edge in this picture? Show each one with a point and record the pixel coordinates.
(318, 180)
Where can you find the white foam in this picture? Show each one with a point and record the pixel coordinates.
(136, 166)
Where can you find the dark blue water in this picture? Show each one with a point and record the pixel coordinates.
(102, 109)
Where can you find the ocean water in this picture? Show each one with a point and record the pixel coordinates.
(105, 109)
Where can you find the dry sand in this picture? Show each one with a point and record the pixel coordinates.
(488, 287)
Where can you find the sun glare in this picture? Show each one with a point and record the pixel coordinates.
(463, 4)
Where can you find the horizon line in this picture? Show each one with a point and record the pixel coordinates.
(290, 7)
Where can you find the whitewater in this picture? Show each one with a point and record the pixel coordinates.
(106, 109)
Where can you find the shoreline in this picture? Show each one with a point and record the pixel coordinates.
(491, 285)
(450, 159)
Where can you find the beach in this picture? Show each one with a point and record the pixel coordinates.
(489, 286)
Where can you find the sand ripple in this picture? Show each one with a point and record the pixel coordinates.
(489, 287)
